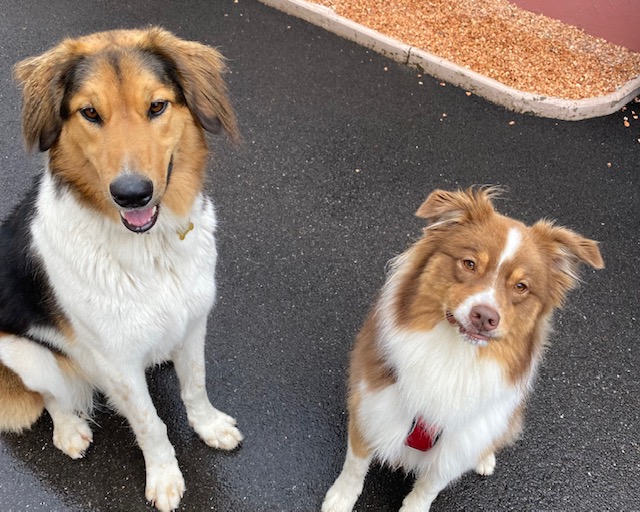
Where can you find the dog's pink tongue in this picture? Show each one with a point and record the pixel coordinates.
(139, 218)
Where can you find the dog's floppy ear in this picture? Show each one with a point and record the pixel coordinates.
(42, 81)
(199, 70)
(567, 249)
(443, 207)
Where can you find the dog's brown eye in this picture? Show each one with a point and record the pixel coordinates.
(469, 265)
(157, 107)
(521, 287)
(90, 114)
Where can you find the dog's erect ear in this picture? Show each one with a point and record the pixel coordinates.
(443, 207)
(42, 80)
(567, 249)
(199, 71)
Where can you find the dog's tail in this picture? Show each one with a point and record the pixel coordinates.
(19, 407)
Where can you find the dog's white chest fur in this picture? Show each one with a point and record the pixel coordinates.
(136, 293)
(439, 378)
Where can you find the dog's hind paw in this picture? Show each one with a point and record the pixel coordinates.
(71, 434)
(219, 431)
(165, 486)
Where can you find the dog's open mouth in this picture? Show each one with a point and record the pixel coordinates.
(140, 220)
(475, 338)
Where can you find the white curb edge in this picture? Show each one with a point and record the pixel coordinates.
(442, 69)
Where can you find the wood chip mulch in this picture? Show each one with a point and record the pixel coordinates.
(520, 49)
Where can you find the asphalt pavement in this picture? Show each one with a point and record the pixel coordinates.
(340, 147)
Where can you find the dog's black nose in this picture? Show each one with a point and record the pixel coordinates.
(131, 190)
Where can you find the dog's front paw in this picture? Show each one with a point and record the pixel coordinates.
(165, 486)
(218, 431)
(486, 465)
(339, 499)
(71, 435)
(414, 502)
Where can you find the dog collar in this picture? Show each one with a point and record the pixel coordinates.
(183, 233)
(422, 436)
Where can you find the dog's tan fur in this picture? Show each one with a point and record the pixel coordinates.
(120, 86)
(115, 111)
(431, 275)
(20, 407)
(441, 368)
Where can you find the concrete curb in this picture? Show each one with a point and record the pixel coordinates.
(442, 69)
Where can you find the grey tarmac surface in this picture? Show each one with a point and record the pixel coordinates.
(340, 147)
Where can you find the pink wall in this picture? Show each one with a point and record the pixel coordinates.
(617, 21)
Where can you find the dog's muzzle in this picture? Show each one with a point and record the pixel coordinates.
(133, 193)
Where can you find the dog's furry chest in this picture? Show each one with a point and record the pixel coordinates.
(118, 288)
(441, 377)
(441, 380)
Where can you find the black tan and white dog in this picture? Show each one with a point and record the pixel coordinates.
(108, 264)
(444, 362)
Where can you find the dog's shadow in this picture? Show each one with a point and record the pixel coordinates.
(384, 489)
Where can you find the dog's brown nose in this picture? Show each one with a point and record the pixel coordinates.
(484, 318)
(131, 191)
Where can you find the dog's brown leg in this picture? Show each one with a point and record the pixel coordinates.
(343, 494)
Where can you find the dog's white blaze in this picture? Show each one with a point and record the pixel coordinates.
(514, 239)
(488, 295)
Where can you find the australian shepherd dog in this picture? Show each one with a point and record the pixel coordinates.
(443, 364)
(108, 263)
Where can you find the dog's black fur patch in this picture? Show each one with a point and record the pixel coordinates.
(26, 297)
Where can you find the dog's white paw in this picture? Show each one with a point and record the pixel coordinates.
(165, 486)
(486, 465)
(339, 500)
(71, 435)
(417, 502)
(218, 431)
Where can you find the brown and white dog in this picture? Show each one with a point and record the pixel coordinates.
(108, 263)
(444, 362)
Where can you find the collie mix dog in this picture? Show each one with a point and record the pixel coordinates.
(444, 362)
(108, 264)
